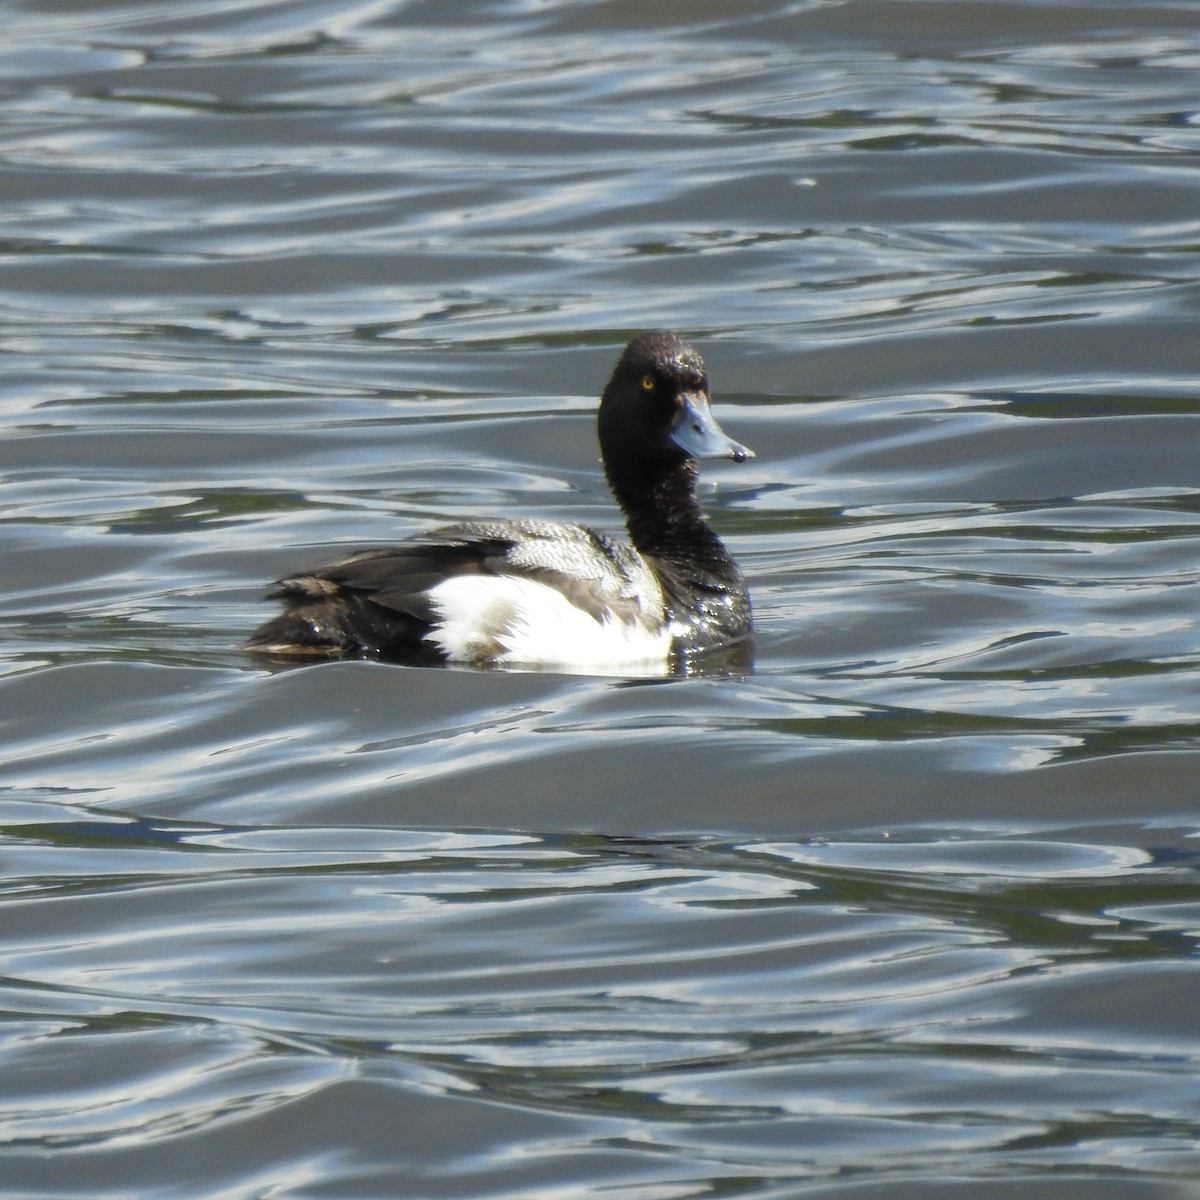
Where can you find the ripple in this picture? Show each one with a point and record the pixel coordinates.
(282, 279)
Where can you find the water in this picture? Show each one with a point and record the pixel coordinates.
(907, 910)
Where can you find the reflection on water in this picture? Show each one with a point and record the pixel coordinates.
(767, 1012)
(907, 906)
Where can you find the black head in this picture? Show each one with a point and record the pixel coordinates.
(655, 408)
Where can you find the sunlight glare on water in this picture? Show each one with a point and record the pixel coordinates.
(907, 907)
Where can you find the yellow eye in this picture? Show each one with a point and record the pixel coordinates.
(647, 383)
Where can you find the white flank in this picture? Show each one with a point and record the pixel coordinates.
(505, 619)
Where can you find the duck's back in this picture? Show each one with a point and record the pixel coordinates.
(515, 591)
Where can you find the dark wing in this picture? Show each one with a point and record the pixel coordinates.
(396, 578)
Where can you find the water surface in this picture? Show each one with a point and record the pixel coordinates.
(909, 909)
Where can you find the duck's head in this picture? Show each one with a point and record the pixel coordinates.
(656, 407)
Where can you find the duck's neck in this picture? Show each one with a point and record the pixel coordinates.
(664, 519)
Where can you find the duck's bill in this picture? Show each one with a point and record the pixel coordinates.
(698, 433)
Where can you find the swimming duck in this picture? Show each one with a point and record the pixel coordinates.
(544, 593)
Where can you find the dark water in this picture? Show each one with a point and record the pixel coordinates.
(910, 910)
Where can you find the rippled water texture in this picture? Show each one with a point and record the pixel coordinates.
(910, 909)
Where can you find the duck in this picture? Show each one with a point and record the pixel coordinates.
(530, 593)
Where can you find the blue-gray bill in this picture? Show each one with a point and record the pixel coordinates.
(698, 433)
